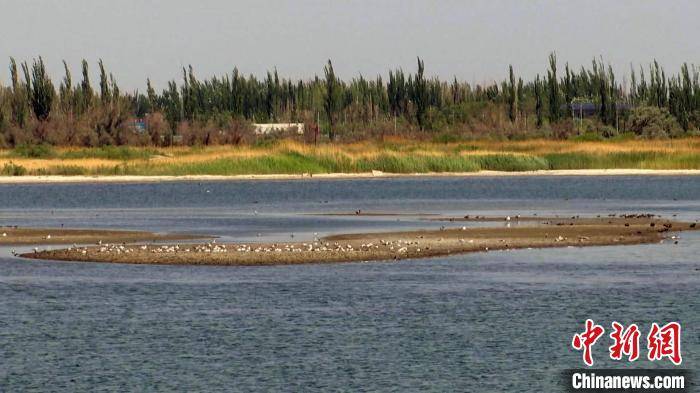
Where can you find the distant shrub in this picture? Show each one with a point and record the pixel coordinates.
(265, 141)
(625, 136)
(463, 147)
(607, 131)
(30, 150)
(511, 162)
(158, 128)
(653, 122)
(435, 120)
(446, 138)
(61, 170)
(588, 137)
(12, 169)
(112, 153)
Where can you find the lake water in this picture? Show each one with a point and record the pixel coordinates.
(497, 321)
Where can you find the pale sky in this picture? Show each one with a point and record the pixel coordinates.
(473, 40)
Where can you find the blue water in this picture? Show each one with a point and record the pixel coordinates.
(498, 321)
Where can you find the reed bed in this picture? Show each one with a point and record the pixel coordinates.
(392, 155)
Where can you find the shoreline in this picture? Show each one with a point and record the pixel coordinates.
(25, 236)
(340, 176)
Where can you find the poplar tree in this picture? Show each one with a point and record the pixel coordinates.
(538, 101)
(105, 96)
(66, 90)
(568, 88)
(553, 86)
(86, 93)
(42, 92)
(332, 98)
(521, 96)
(420, 96)
(612, 101)
(151, 94)
(512, 96)
(173, 107)
(604, 95)
(19, 97)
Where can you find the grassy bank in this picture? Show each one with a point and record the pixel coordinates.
(395, 156)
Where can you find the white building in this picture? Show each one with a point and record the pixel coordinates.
(270, 128)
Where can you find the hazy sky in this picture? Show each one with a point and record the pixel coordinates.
(473, 40)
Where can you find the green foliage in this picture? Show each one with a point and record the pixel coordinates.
(553, 89)
(445, 137)
(357, 108)
(512, 96)
(19, 98)
(105, 95)
(265, 142)
(511, 162)
(588, 137)
(435, 120)
(653, 122)
(85, 92)
(61, 170)
(11, 169)
(625, 136)
(41, 91)
(420, 94)
(173, 107)
(395, 158)
(626, 160)
(538, 101)
(66, 91)
(112, 153)
(28, 150)
(332, 97)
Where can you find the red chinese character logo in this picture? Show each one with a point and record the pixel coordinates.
(626, 341)
(665, 342)
(587, 339)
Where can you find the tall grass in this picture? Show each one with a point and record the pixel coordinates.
(392, 156)
(33, 151)
(626, 160)
(298, 163)
(112, 153)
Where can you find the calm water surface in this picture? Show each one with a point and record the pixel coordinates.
(499, 321)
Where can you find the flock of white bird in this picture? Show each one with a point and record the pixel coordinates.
(398, 246)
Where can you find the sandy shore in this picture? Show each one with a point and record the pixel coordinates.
(373, 174)
(539, 233)
(29, 236)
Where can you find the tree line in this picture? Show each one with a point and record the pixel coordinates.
(222, 108)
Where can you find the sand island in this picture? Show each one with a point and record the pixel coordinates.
(515, 233)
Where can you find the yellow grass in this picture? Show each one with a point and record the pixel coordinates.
(669, 150)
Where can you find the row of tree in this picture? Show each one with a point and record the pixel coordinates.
(31, 108)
